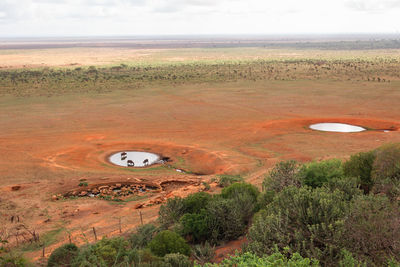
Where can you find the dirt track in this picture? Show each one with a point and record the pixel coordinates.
(47, 145)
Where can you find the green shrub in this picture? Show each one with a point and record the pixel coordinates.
(305, 220)
(63, 256)
(176, 260)
(143, 236)
(225, 180)
(265, 198)
(360, 166)
(348, 185)
(274, 260)
(240, 188)
(285, 173)
(387, 163)
(196, 225)
(167, 242)
(315, 174)
(347, 260)
(203, 253)
(171, 211)
(225, 221)
(372, 229)
(194, 203)
(13, 260)
(386, 171)
(106, 252)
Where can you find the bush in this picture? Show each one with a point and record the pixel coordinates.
(386, 171)
(171, 211)
(265, 198)
(204, 253)
(225, 221)
(348, 185)
(240, 188)
(106, 252)
(315, 174)
(372, 229)
(274, 260)
(284, 174)
(194, 203)
(360, 166)
(176, 260)
(196, 225)
(305, 220)
(225, 180)
(13, 260)
(143, 236)
(347, 260)
(387, 163)
(63, 256)
(167, 242)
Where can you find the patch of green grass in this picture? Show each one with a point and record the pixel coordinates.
(83, 184)
(135, 198)
(46, 239)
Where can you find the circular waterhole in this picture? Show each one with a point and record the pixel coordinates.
(134, 158)
(337, 127)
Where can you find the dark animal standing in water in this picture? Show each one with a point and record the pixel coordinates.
(130, 163)
(146, 162)
(123, 155)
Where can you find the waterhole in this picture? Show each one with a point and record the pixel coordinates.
(337, 127)
(134, 159)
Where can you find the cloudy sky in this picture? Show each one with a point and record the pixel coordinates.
(155, 17)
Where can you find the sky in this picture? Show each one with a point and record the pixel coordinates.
(41, 18)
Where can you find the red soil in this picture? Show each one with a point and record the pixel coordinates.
(49, 145)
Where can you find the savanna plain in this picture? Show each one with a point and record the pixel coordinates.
(241, 170)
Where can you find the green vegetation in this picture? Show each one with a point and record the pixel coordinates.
(315, 174)
(324, 213)
(327, 217)
(274, 260)
(51, 81)
(63, 256)
(386, 170)
(201, 217)
(167, 242)
(284, 174)
(360, 166)
(83, 183)
(143, 236)
(225, 180)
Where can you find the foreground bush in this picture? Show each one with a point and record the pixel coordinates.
(13, 260)
(171, 211)
(176, 260)
(201, 217)
(372, 230)
(315, 174)
(225, 180)
(106, 252)
(203, 253)
(360, 166)
(274, 260)
(386, 170)
(143, 236)
(284, 174)
(305, 220)
(63, 256)
(167, 242)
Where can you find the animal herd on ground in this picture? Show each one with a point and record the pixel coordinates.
(130, 163)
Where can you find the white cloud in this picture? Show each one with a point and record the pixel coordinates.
(137, 17)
